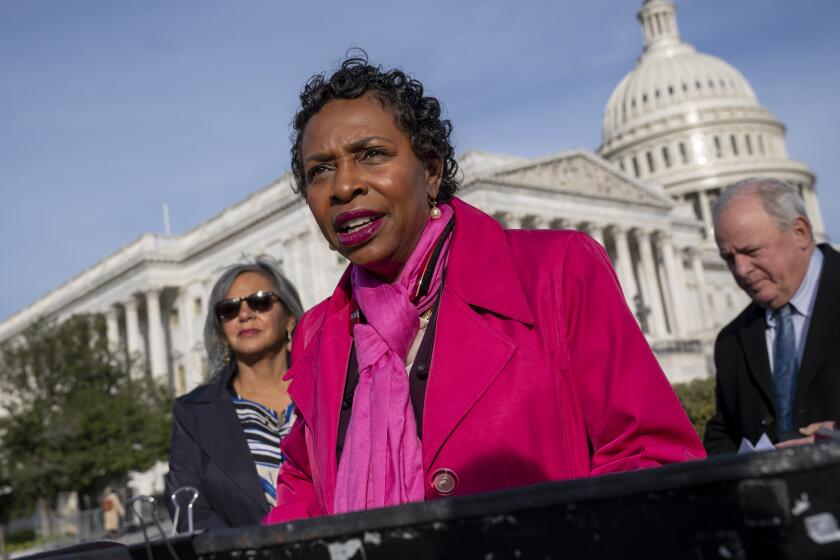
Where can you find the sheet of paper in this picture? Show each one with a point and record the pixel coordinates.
(763, 444)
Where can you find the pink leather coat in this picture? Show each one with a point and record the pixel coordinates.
(539, 372)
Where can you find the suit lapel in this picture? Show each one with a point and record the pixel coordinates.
(220, 434)
(754, 340)
(318, 386)
(824, 321)
(480, 275)
(463, 367)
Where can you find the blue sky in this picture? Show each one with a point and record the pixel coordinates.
(109, 108)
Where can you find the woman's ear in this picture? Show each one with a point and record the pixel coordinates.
(434, 175)
(290, 325)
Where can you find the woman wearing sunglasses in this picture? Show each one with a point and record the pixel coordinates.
(226, 434)
(454, 357)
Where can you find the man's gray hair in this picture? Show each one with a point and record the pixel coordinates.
(218, 352)
(780, 199)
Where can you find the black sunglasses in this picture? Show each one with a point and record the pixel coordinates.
(259, 302)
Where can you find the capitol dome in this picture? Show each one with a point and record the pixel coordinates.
(667, 83)
(692, 123)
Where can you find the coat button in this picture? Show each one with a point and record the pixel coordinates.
(444, 481)
(422, 371)
(768, 421)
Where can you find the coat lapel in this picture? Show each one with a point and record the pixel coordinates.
(479, 276)
(318, 385)
(228, 448)
(217, 430)
(463, 367)
(824, 324)
(753, 338)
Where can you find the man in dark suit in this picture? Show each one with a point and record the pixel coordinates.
(778, 362)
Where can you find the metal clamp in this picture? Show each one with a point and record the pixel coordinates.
(151, 501)
(177, 516)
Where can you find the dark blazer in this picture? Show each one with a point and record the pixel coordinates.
(746, 402)
(209, 452)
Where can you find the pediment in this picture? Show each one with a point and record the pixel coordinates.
(578, 173)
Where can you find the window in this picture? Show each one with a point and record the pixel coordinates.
(197, 307)
(670, 90)
(734, 143)
(698, 85)
(621, 165)
(644, 98)
(636, 167)
(649, 157)
(173, 317)
(685, 87)
(666, 156)
(718, 147)
(683, 153)
(748, 143)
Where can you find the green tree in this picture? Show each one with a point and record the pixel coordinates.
(698, 400)
(74, 419)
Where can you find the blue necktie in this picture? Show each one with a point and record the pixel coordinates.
(784, 366)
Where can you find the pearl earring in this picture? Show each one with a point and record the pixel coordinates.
(435, 211)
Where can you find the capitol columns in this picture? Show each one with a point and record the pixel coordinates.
(596, 232)
(541, 221)
(563, 223)
(514, 220)
(702, 290)
(157, 338)
(112, 328)
(624, 266)
(650, 284)
(690, 322)
(679, 315)
(133, 342)
(705, 213)
(320, 254)
(187, 320)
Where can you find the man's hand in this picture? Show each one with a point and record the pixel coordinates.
(808, 431)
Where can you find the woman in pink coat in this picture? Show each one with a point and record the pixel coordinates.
(454, 356)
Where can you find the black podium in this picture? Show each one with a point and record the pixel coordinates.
(777, 504)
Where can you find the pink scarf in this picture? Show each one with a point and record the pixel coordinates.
(382, 461)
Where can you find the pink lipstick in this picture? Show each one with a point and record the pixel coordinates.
(357, 227)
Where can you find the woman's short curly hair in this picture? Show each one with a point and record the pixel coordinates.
(418, 115)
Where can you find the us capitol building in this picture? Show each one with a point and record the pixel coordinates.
(676, 130)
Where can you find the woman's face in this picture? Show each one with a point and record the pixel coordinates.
(365, 187)
(251, 334)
